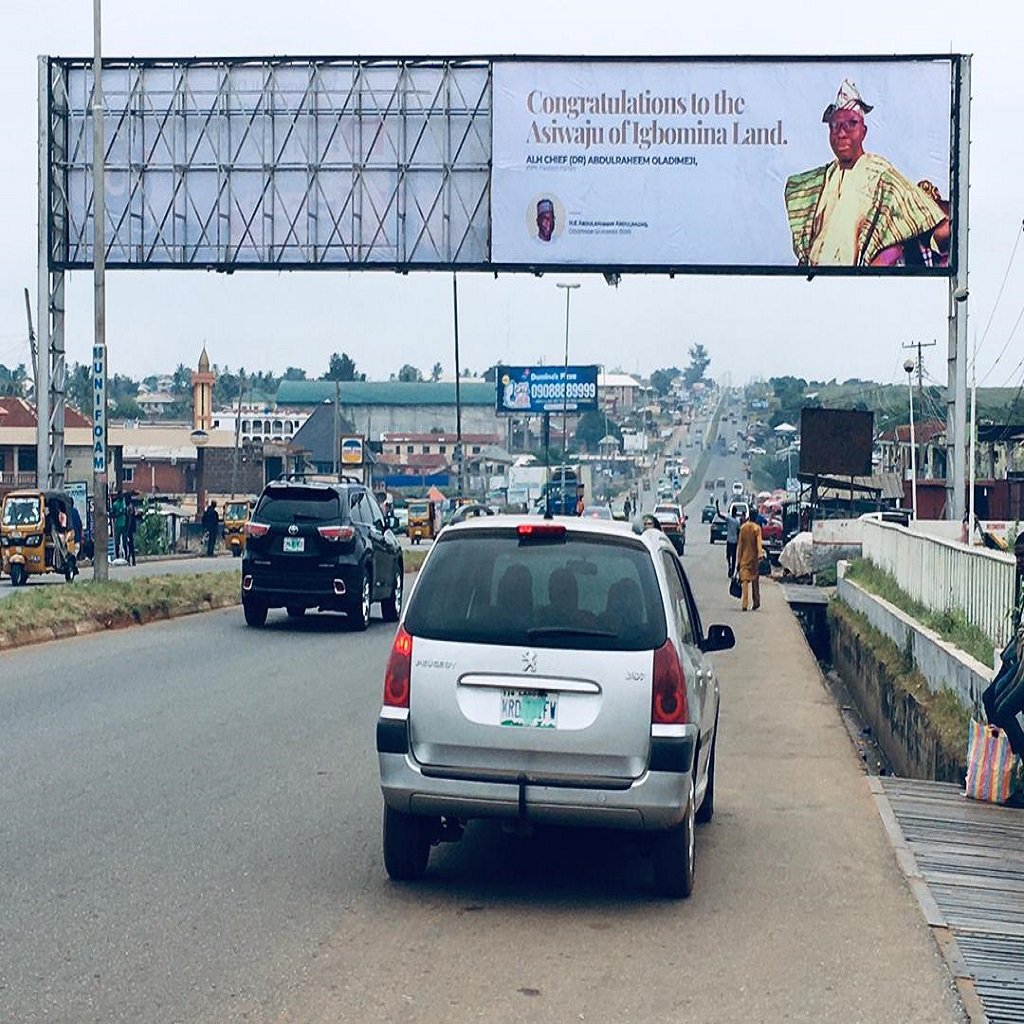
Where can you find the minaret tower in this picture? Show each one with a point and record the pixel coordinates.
(202, 395)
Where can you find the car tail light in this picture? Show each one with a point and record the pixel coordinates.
(540, 531)
(397, 674)
(254, 529)
(668, 696)
(336, 533)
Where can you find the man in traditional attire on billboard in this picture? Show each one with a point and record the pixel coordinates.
(859, 210)
(545, 220)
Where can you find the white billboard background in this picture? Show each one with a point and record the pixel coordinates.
(693, 204)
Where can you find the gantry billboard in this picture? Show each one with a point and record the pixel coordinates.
(742, 165)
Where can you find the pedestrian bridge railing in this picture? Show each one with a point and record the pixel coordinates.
(946, 576)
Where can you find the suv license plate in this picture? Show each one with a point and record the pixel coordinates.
(294, 544)
(533, 709)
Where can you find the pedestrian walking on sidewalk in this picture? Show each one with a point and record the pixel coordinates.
(211, 522)
(626, 509)
(1004, 698)
(749, 550)
(732, 536)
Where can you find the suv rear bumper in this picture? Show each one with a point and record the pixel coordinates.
(333, 587)
(653, 802)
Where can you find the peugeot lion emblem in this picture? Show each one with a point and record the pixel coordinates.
(293, 529)
(529, 661)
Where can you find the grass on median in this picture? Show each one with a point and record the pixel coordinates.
(114, 603)
(952, 626)
(944, 710)
(61, 607)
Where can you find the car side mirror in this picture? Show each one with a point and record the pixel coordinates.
(719, 638)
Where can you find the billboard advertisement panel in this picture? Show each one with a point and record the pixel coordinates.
(529, 390)
(764, 165)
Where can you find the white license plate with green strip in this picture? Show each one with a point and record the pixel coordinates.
(531, 709)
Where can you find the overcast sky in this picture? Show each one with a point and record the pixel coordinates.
(750, 326)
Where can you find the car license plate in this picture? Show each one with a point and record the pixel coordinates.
(533, 709)
(294, 544)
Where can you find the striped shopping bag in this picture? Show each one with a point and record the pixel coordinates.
(989, 764)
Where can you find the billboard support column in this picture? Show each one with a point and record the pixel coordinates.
(956, 374)
(458, 394)
(99, 348)
(42, 368)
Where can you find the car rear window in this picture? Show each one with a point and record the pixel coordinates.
(586, 593)
(298, 505)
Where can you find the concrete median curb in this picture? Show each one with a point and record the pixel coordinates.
(67, 631)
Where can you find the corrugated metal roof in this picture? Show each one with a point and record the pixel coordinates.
(373, 392)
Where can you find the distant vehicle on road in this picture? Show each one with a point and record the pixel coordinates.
(737, 488)
(550, 672)
(596, 512)
(708, 512)
(673, 523)
(719, 526)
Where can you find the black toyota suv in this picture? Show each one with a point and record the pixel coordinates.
(325, 546)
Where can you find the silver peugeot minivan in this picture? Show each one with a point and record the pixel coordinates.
(550, 671)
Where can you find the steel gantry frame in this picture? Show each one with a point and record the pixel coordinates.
(277, 163)
(318, 163)
(261, 163)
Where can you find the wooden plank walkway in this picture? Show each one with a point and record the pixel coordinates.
(965, 862)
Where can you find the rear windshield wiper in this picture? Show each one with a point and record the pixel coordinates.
(545, 631)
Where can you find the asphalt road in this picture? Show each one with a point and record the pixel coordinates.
(190, 832)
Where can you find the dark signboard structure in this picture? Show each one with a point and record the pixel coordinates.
(836, 442)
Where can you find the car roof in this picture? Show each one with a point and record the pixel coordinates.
(616, 528)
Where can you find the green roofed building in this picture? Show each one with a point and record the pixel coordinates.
(419, 407)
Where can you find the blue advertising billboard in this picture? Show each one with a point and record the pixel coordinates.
(529, 390)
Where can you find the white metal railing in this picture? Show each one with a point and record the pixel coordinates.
(946, 576)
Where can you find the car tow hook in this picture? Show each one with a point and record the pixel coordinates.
(449, 830)
(523, 827)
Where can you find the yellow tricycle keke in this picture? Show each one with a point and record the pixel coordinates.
(422, 521)
(236, 515)
(37, 535)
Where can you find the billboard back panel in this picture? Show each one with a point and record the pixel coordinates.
(723, 164)
(836, 442)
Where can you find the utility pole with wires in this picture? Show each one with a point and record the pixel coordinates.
(920, 367)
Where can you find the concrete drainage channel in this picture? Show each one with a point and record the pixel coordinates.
(810, 605)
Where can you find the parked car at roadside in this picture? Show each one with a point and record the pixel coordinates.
(550, 672)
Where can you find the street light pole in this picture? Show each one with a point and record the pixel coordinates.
(99, 348)
(569, 288)
(908, 365)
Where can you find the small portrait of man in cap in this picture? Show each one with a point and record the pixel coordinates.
(859, 210)
(545, 219)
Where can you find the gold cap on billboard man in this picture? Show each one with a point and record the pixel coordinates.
(859, 210)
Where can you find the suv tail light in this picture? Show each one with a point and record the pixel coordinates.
(254, 529)
(397, 674)
(668, 696)
(541, 531)
(336, 533)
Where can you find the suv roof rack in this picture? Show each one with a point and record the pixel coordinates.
(299, 478)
